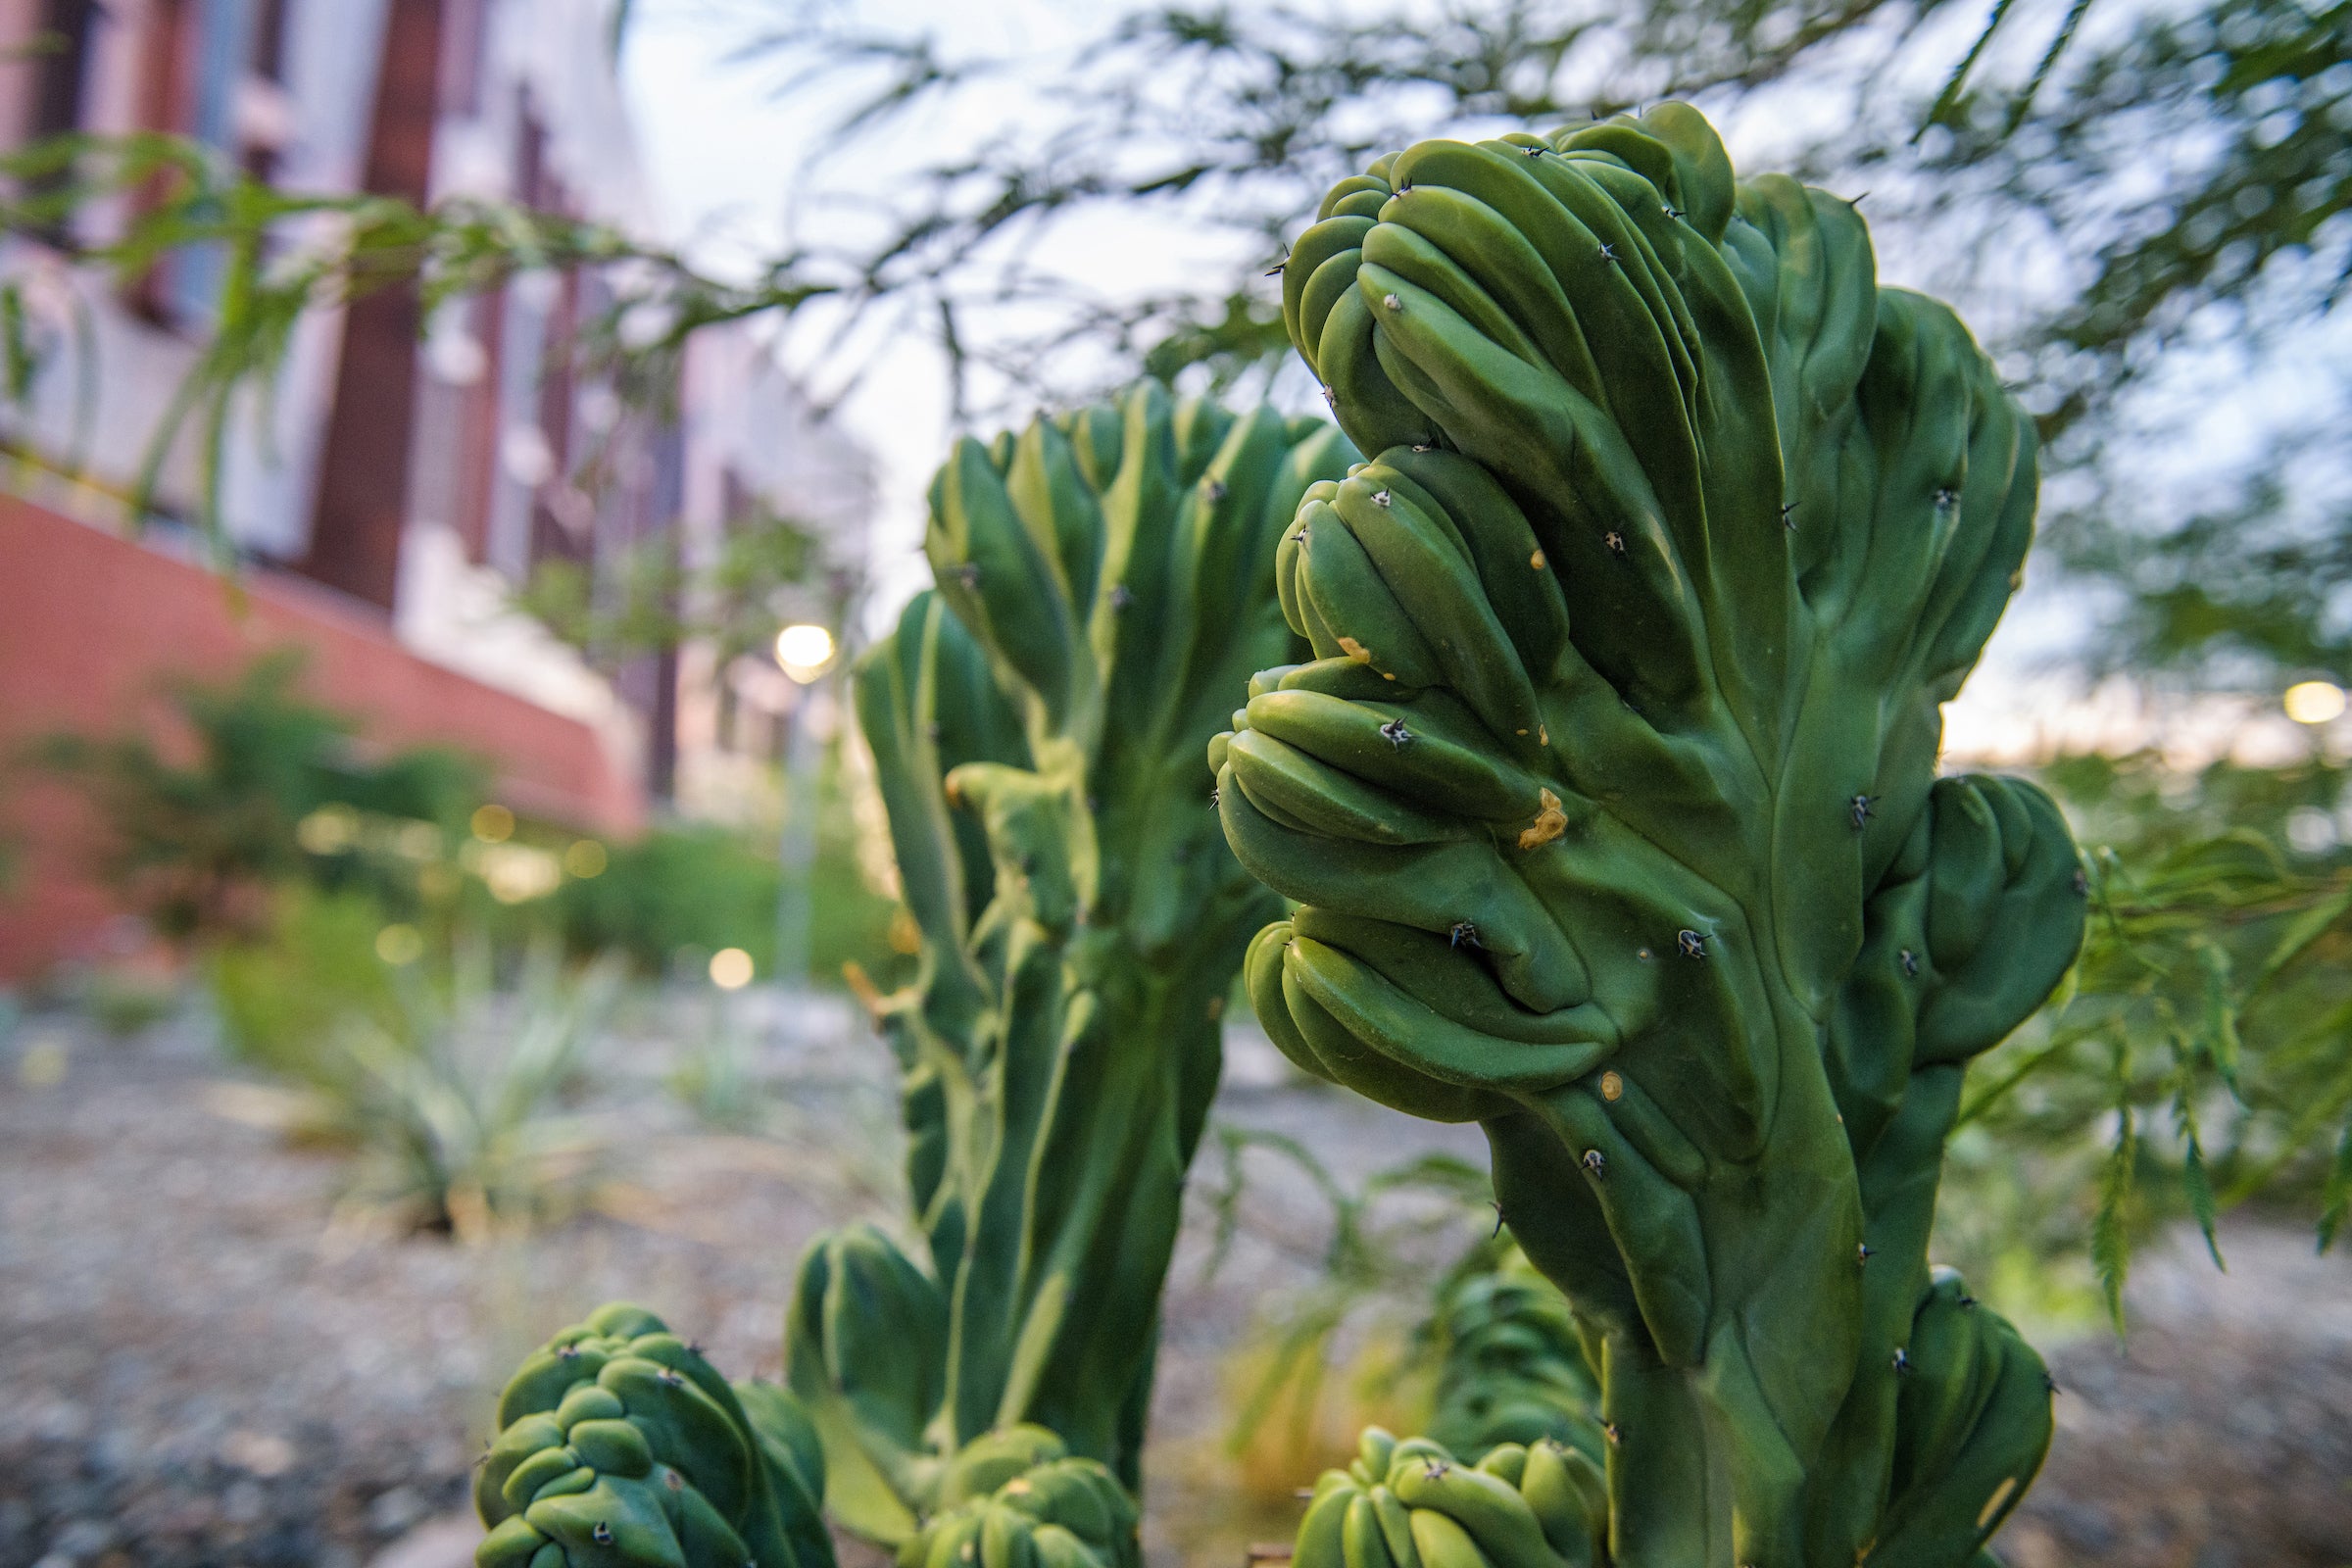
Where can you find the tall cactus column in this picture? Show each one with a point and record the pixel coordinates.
(1037, 725)
(1610, 798)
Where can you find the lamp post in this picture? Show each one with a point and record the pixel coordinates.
(805, 653)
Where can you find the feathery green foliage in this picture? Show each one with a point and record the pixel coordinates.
(1036, 726)
(618, 1445)
(2197, 1060)
(1375, 1256)
(1610, 799)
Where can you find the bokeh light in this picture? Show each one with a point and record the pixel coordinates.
(2314, 702)
(731, 968)
(803, 651)
(398, 945)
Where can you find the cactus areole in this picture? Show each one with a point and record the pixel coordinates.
(1037, 727)
(1679, 531)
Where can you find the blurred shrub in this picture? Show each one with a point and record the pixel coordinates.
(698, 885)
(125, 1002)
(276, 795)
(195, 846)
(687, 890)
(281, 993)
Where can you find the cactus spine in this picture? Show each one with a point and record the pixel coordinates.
(1037, 726)
(1609, 797)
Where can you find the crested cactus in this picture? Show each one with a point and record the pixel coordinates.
(619, 1446)
(1037, 726)
(1610, 800)
(1411, 1505)
(1512, 1368)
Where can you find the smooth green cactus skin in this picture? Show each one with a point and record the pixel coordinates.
(1610, 798)
(619, 1444)
(1513, 1368)
(1017, 1499)
(1412, 1504)
(1037, 726)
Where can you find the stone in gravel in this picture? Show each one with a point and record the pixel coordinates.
(262, 1453)
(445, 1542)
(84, 1538)
(395, 1510)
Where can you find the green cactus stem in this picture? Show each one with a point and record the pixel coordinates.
(1610, 800)
(1037, 726)
(618, 1447)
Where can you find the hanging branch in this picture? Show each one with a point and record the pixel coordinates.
(285, 254)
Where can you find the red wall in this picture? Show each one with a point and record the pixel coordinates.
(92, 625)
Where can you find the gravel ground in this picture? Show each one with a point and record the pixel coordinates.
(206, 1364)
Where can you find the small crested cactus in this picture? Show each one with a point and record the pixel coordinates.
(1037, 726)
(1412, 1505)
(1016, 1499)
(618, 1447)
(1609, 797)
(1513, 1369)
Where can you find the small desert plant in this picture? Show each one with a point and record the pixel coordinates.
(456, 1107)
(447, 1083)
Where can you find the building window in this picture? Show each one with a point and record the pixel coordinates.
(63, 51)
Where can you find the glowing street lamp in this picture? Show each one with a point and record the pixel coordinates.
(2314, 702)
(731, 968)
(803, 651)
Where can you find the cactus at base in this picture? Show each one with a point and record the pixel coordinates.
(1036, 725)
(1017, 1499)
(1412, 1505)
(619, 1446)
(1513, 1366)
(1609, 798)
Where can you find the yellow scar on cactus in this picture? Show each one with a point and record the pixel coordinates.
(1355, 649)
(1549, 823)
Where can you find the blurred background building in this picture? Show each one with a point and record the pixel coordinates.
(409, 477)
